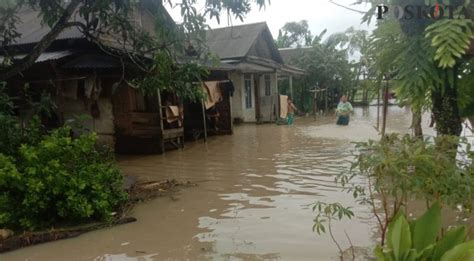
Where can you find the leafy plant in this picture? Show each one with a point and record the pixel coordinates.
(418, 239)
(15, 131)
(425, 58)
(402, 168)
(326, 213)
(451, 38)
(58, 180)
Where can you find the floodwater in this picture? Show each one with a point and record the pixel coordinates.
(252, 201)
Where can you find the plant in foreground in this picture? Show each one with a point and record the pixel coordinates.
(420, 240)
(326, 213)
(60, 180)
(399, 169)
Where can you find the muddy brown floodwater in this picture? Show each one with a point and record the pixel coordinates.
(252, 201)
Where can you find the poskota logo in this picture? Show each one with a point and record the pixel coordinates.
(408, 12)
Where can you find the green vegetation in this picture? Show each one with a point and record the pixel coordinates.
(327, 65)
(326, 213)
(426, 60)
(53, 179)
(419, 240)
(399, 170)
(60, 180)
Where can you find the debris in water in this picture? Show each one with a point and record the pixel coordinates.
(34, 238)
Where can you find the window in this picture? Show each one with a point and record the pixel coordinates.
(248, 91)
(268, 85)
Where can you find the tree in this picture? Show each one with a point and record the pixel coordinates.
(294, 34)
(327, 67)
(356, 43)
(425, 57)
(434, 49)
(99, 18)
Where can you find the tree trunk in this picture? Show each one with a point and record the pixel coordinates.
(43, 44)
(416, 124)
(445, 106)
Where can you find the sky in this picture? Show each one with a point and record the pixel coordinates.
(320, 14)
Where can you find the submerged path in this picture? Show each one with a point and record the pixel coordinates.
(252, 202)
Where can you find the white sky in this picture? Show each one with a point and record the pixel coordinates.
(320, 14)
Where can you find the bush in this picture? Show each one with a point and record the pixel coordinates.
(400, 169)
(12, 134)
(419, 239)
(58, 180)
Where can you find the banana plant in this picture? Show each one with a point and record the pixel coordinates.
(419, 240)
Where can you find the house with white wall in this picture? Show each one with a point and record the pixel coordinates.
(256, 67)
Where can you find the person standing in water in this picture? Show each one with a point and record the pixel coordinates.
(291, 111)
(344, 109)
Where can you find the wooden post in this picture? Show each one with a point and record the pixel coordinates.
(256, 84)
(272, 104)
(385, 108)
(326, 101)
(315, 106)
(204, 120)
(378, 108)
(291, 87)
(160, 119)
(277, 102)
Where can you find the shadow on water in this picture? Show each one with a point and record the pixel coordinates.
(252, 202)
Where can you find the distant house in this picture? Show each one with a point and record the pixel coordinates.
(256, 67)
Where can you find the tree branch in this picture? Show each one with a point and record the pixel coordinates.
(346, 7)
(43, 44)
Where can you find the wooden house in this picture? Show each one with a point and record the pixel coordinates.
(88, 85)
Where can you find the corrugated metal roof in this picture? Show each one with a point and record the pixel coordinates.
(46, 56)
(93, 61)
(234, 41)
(32, 29)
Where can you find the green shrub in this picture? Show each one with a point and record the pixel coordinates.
(418, 240)
(400, 169)
(13, 135)
(58, 180)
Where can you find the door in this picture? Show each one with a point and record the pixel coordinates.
(267, 98)
(248, 98)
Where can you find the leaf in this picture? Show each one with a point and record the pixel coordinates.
(451, 38)
(462, 252)
(390, 228)
(450, 240)
(379, 254)
(400, 237)
(426, 228)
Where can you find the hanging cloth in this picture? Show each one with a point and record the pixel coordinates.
(283, 106)
(214, 94)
